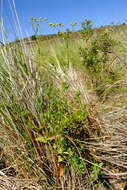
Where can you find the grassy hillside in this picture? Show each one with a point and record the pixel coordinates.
(63, 112)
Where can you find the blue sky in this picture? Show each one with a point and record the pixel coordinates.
(102, 12)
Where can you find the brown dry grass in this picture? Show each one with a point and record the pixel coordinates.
(9, 183)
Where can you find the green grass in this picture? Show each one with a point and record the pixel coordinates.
(48, 105)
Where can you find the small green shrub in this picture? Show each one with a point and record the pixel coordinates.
(33, 37)
(59, 122)
(96, 171)
(96, 58)
(86, 31)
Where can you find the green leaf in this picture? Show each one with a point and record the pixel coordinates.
(96, 171)
(42, 139)
(60, 159)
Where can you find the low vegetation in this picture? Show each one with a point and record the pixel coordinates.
(63, 108)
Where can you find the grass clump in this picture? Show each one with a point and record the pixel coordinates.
(40, 121)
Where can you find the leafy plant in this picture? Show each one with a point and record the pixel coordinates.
(96, 58)
(36, 25)
(96, 171)
(60, 122)
(86, 31)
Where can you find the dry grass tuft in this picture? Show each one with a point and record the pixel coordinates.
(17, 184)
